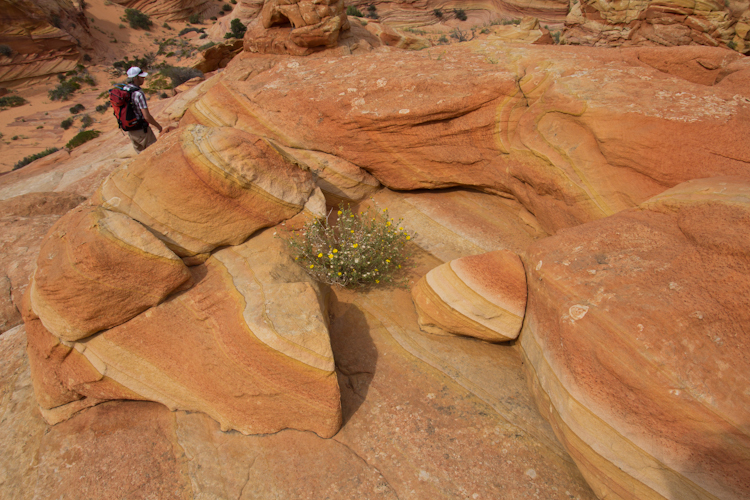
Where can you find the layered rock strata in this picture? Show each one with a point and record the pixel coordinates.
(200, 188)
(98, 269)
(635, 343)
(482, 296)
(170, 10)
(553, 136)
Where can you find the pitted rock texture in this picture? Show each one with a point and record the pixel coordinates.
(248, 345)
(482, 296)
(647, 22)
(296, 27)
(635, 341)
(98, 269)
(556, 128)
(199, 188)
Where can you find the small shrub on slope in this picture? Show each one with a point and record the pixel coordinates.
(138, 19)
(82, 137)
(33, 157)
(356, 250)
(12, 101)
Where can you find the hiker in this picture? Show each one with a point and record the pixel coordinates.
(141, 134)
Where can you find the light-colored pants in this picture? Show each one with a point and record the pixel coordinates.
(142, 139)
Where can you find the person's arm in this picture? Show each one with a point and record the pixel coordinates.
(150, 119)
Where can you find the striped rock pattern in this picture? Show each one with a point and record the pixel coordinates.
(636, 344)
(482, 296)
(97, 269)
(247, 345)
(200, 188)
(567, 148)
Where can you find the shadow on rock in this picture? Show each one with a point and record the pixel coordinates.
(354, 352)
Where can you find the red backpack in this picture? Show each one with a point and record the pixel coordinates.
(122, 105)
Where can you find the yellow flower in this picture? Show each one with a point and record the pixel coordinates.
(311, 266)
(385, 210)
(376, 270)
(351, 231)
(296, 258)
(388, 260)
(400, 228)
(330, 255)
(320, 254)
(339, 212)
(355, 245)
(335, 251)
(339, 274)
(408, 237)
(387, 223)
(377, 281)
(399, 266)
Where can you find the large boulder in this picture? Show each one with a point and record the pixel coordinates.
(482, 296)
(636, 343)
(247, 345)
(535, 123)
(199, 188)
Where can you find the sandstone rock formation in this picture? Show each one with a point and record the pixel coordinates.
(548, 134)
(668, 24)
(298, 27)
(199, 188)
(98, 269)
(218, 56)
(482, 296)
(635, 343)
(171, 10)
(44, 36)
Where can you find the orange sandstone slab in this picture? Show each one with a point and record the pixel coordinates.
(248, 345)
(97, 269)
(200, 188)
(636, 344)
(482, 296)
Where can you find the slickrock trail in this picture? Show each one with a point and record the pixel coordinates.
(574, 326)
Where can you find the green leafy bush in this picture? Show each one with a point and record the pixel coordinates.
(191, 29)
(438, 13)
(81, 138)
(67, 123)
(356, 250)
(195, 18)
(180, 75)
(76, 109)
(226, 7)
(86, 121)
(443, 40)
(63, 91)
(5, 50)
(460, 14)
(372, 12)
(12, 101)
(353, 11)
(101, 108)
(30, 158)
(206, 46)
(236, 29)
(138, 19)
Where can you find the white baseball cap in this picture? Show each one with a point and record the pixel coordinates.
(136, 71)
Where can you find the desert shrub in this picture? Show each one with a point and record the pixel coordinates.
(732, 45)
(14, 138)
(556, 37)
(137, 19)
(206, 46)
(438, 13)
(121, 26)
(12, 101)
(143, 62)
(30, 158)
(86, 121)
(236, 29)
(180, 75)
(170, 54)
(166, 26)
(5, 50)
(356, 250)
(191, 29)
(214, 18)
(164, 95)
(353, 11)
(203, 36)
(372, 12)
(226, 7)
(194, 18)
(63, 91)
(87, 57)
(81, 138)
(67, 123)
(76, 109)
(233, 2)
(101, 108)
(460, 14)
(443, 40)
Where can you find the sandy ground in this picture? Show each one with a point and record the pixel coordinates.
(34, 127)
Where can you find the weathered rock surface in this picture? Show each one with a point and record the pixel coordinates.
(297, 27)
(219, 56)
(97, 269)
(169, 10)
(561, 134)
(635, 342)
(199, 188)
(24, 220)
(482, 296)
(247, 345)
